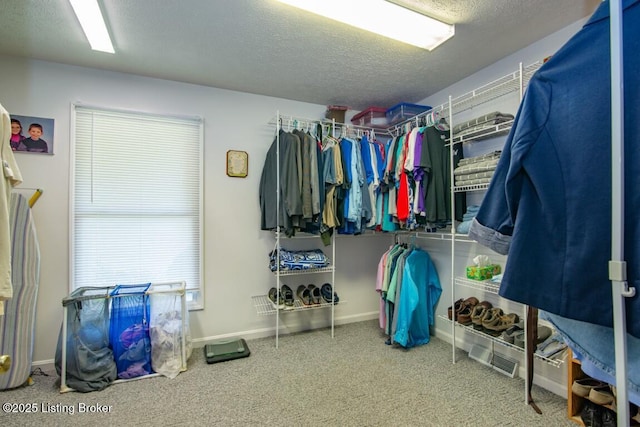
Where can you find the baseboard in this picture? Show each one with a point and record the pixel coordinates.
(264, 332)
(289, 328)
(40, 363)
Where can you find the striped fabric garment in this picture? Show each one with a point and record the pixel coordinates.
(17, 324)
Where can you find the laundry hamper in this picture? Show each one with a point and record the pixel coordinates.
(89, 318)
(84, 359)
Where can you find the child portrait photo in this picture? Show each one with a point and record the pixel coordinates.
(31, 134)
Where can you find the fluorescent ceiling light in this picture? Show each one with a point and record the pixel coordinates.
(382, 17)
(90, 17)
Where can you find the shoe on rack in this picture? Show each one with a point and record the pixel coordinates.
(518, 339)
(476, 316)
(316, 296)
(583, 386)
(509, 334)
(273, 297)
(471, 302)
(601, 395)
(287, 295)
(502, 323)
(457, 307)
(609, 418)
(591, 415)
(464, 316)
(327, 293)
(304, 295)
(492, 317)
(479, 312)
(463, 310)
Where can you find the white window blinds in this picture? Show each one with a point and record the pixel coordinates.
(137, 205)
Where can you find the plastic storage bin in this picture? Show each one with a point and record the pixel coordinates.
(372, 117)
(404, 111)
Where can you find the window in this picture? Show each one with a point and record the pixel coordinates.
(136, 211)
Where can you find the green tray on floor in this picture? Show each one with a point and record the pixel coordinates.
(221, 351)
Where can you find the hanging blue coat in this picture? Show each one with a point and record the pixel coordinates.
(420, 293)
(549, 203)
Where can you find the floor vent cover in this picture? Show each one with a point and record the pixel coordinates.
(505, 365)
(481, 354)
(498, 362)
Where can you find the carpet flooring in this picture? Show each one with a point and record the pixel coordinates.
(312, 379)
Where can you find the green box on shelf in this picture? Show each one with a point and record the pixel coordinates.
(483, 273)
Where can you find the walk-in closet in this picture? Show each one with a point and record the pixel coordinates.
(269, 214)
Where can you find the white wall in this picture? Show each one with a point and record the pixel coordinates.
(235, 250)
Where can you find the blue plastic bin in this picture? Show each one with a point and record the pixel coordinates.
(404, 111)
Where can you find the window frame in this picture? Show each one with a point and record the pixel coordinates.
(194, 296)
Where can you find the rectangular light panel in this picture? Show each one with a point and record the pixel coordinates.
(382, 17)
(93, 25)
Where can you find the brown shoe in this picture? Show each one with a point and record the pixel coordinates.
(457, 306)
(503, 323)
(471, 301)
(462, 305)
(491, 318)
(477, 314)
(464, 317)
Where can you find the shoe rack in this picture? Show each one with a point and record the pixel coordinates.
(500, 94)
(264, 306)
(576, 403)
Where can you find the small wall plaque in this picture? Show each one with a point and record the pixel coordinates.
(237, 163)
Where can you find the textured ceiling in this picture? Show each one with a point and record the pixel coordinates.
(268, 48)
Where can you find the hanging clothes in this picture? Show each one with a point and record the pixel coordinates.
(301, 186)
(549, 204)
(409, 288)
(420, 293)
(10, 178)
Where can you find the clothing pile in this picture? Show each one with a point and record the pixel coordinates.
(297, 260)
(476, 170)
(467, 219)
(486, 126)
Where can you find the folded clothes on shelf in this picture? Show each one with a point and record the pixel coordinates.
(485, 120)
(486, 126)
(298, 260)
(487, 156)
(552, 346)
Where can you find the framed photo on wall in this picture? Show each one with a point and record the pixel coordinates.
(237, 163)
(31, 134)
